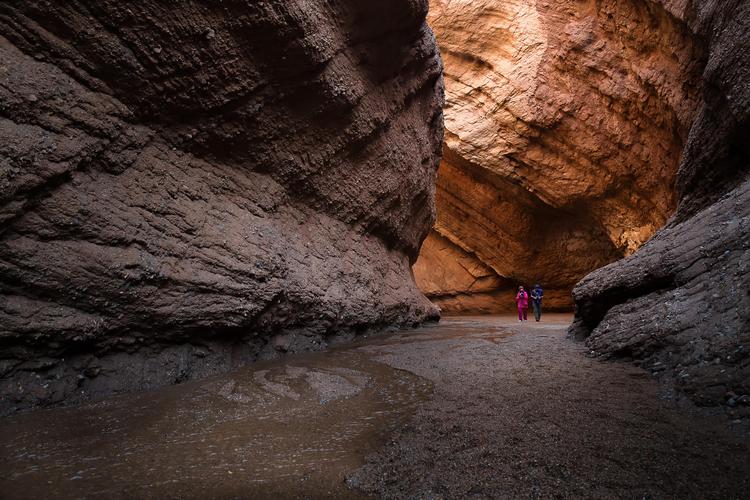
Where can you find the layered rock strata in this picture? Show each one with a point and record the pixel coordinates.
(681, 304)
(185, 188)
(564, 126)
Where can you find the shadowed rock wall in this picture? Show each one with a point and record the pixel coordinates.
(564, 126)
(189, 186)
(681, 304)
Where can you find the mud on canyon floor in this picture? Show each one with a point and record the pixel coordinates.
(471, 407)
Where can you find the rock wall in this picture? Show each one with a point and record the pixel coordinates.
(564, 126)
(188, 187)
(680, 306)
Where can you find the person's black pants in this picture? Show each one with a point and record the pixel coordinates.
(537, 305)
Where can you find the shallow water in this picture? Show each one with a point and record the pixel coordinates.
(293, 427)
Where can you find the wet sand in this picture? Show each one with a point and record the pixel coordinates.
(472, 407)
(530, 416)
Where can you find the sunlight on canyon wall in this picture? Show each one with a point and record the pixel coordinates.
(564, 127)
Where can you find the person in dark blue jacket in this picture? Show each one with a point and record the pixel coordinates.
(536, 301)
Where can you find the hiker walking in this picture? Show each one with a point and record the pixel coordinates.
(536, 300)
(522, 300)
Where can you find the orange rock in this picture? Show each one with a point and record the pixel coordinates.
(564, 126)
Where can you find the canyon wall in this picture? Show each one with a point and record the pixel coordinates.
(192, 186)
(680, 306)
(564, 126)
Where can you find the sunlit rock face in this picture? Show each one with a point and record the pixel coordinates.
(564, 126)
(680, 306)
(191, 186)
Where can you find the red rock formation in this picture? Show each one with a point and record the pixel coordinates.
(181, 182)
(452, 274)
(564, 126)
(680, 306)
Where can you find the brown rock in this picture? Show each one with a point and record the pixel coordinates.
(681, 304)
(193, 179)
(564, 126)
(455, 280)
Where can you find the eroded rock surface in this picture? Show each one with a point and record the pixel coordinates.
(181, 183)
(681, 304)
(564, 126)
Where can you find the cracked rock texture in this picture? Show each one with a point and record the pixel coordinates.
(680, 306)
(188, 187)
(564, 126)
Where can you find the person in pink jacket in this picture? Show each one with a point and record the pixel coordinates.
(522, 300)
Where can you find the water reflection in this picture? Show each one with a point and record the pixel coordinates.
(286, 427)
(292, 427)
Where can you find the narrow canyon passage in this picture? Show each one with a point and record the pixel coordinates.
(475, 406)
(237, 239)
(564, 126)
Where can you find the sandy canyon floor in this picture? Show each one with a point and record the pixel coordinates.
(472, 407)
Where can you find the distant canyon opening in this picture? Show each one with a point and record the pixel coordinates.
(564, 126)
